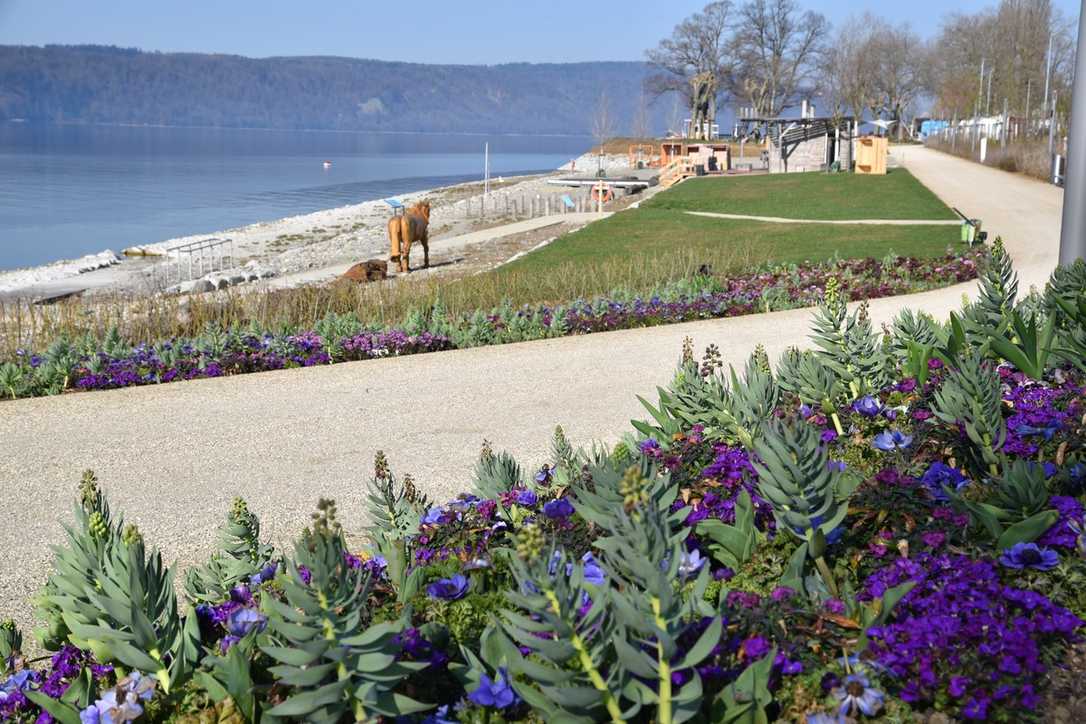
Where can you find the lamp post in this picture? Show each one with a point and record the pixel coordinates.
(1073, 227)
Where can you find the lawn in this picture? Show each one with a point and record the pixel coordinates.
(654, 233)
(815, 195)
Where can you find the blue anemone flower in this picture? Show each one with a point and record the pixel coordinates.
(690, 563)
(939, 476)
(432, 517)
(558, 509)
(891, 440)
(527, 498)
(857, 694)
(496, 693)
(243, 620)
(592, 572)
(449, 589)
(867, 406)
(1029, 555)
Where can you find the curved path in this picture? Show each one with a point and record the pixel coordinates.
(841, 222)
(172, 457)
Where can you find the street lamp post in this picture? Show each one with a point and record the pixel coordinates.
(1073, 228)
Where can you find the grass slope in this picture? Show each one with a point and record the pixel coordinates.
(652, 233)
(815, 195)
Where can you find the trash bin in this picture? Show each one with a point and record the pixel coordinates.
(971, 233)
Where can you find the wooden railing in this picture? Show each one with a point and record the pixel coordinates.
(676, 171)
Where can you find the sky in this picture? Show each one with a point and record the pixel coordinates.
(425, 31)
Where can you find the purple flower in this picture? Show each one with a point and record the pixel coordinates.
(449, 589)
(1029, 555)
(265, 574)
(649, 446)
(432, 517)
(890, 440)
(781, 593)
(940, 475)
(867, 406)
(545, 474)
(592, 572)
(243, 620)
(527, 498)
(834, 606)
(495, 693)
(558, 509)
(755, 647)
(933, 538)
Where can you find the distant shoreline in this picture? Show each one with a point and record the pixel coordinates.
(472, 134)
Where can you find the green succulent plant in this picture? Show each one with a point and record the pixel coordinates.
(804, 375)
(736, 409)
(998, 291)
(1029, 346)
(394, 510)
(241, 554)
(496, 474)
(732, 544)
(809, 497)
(330, 662)
(971, 396)
(11, 644)
(847, 344)
(1017, 510)
(572, 673)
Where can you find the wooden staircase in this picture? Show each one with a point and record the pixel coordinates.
(676, 171)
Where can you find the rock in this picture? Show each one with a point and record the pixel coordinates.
(267, 274)
(252, 276)
(238, 279)
(196, 286)
(218, 282)
(367, 271)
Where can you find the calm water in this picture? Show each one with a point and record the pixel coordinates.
(66, 191)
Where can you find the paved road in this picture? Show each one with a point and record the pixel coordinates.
(172, 457)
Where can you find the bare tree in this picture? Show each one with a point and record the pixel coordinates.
(849, 67)
(899, 60)
(694, 61)
(603, 125)
(641, 125)
(1012, 41)
(778, 52)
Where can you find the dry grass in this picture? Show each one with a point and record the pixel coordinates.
(154, 319)
(1029, 157)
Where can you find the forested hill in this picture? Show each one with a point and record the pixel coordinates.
(95, 84)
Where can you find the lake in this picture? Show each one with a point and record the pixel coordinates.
(66, 191)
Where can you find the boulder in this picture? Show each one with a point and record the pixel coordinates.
(367, 271)
(196, 286)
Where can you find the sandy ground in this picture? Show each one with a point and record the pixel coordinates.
(172, 457)
(297, 246)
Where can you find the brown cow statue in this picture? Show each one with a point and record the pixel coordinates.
(404, 230)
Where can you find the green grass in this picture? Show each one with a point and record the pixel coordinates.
(815, 195)
(728, 245)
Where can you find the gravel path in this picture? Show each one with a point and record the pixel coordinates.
(172, 457)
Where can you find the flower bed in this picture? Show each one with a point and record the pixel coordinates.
(113, 363)
(859, 534)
